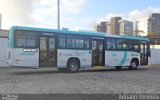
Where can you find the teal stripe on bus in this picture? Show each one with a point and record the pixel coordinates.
(124, 59)
(11, 37)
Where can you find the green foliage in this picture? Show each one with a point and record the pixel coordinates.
(152, 33)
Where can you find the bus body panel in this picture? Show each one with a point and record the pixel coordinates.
(149, 60)
(120, 58)
(10, 56)
(84, 56)
(20, 58)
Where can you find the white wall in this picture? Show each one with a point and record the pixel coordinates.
(3, 52)
(0, 20)
(155, 56)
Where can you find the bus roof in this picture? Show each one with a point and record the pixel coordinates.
(134, 38)
(89, 33)
(58, 31)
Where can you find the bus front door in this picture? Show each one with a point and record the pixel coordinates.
(47, 56)
(98, 53)
(143, 54)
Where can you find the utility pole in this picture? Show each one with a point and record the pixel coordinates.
(58, 14)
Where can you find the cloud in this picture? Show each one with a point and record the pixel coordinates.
(72, 6)
(108, 17)
(16, 12)
(41, 13)
(133, 15)
(136, 14)
(45, 13)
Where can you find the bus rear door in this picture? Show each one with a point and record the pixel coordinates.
(143, 53)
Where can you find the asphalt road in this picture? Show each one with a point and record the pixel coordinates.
(90, 81)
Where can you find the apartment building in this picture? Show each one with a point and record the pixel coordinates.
(126, 27)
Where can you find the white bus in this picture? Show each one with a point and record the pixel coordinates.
(71, 50)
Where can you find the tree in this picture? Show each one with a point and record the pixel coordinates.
(152, 33)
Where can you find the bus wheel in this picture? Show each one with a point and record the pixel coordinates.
(73, 65)
(133, 65)
(118, 67)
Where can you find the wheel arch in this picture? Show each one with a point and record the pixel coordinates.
(136, 59)
(76, 59)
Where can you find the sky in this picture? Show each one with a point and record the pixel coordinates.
(75, 14)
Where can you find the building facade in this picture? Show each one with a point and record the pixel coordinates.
(109, 28)
(4, 33)
(102, 27)
(148, 25)
(115, 25)
(126, 27)
(154, 19)
(143, 26)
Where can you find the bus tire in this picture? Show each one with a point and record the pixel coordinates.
(133, 65)
(73, 65)
(118, 67)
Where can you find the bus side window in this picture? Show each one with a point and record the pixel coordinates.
(134, 46)
(119, 44)
(62, 41)
(110, 44)
(87, 43)
(25, 39)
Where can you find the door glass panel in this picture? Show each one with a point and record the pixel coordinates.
(51, 52)
(43, 44)
(94, 55)
(51, 44)
(143, 51)
(94, 45)
(47, 52)
(100, 53)
(97, 53)
(43, 51)
(146, 55)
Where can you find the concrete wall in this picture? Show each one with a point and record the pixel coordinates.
(0, 20)
(3, 47)
(155, 56)
(3, 52)
(4, 33)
